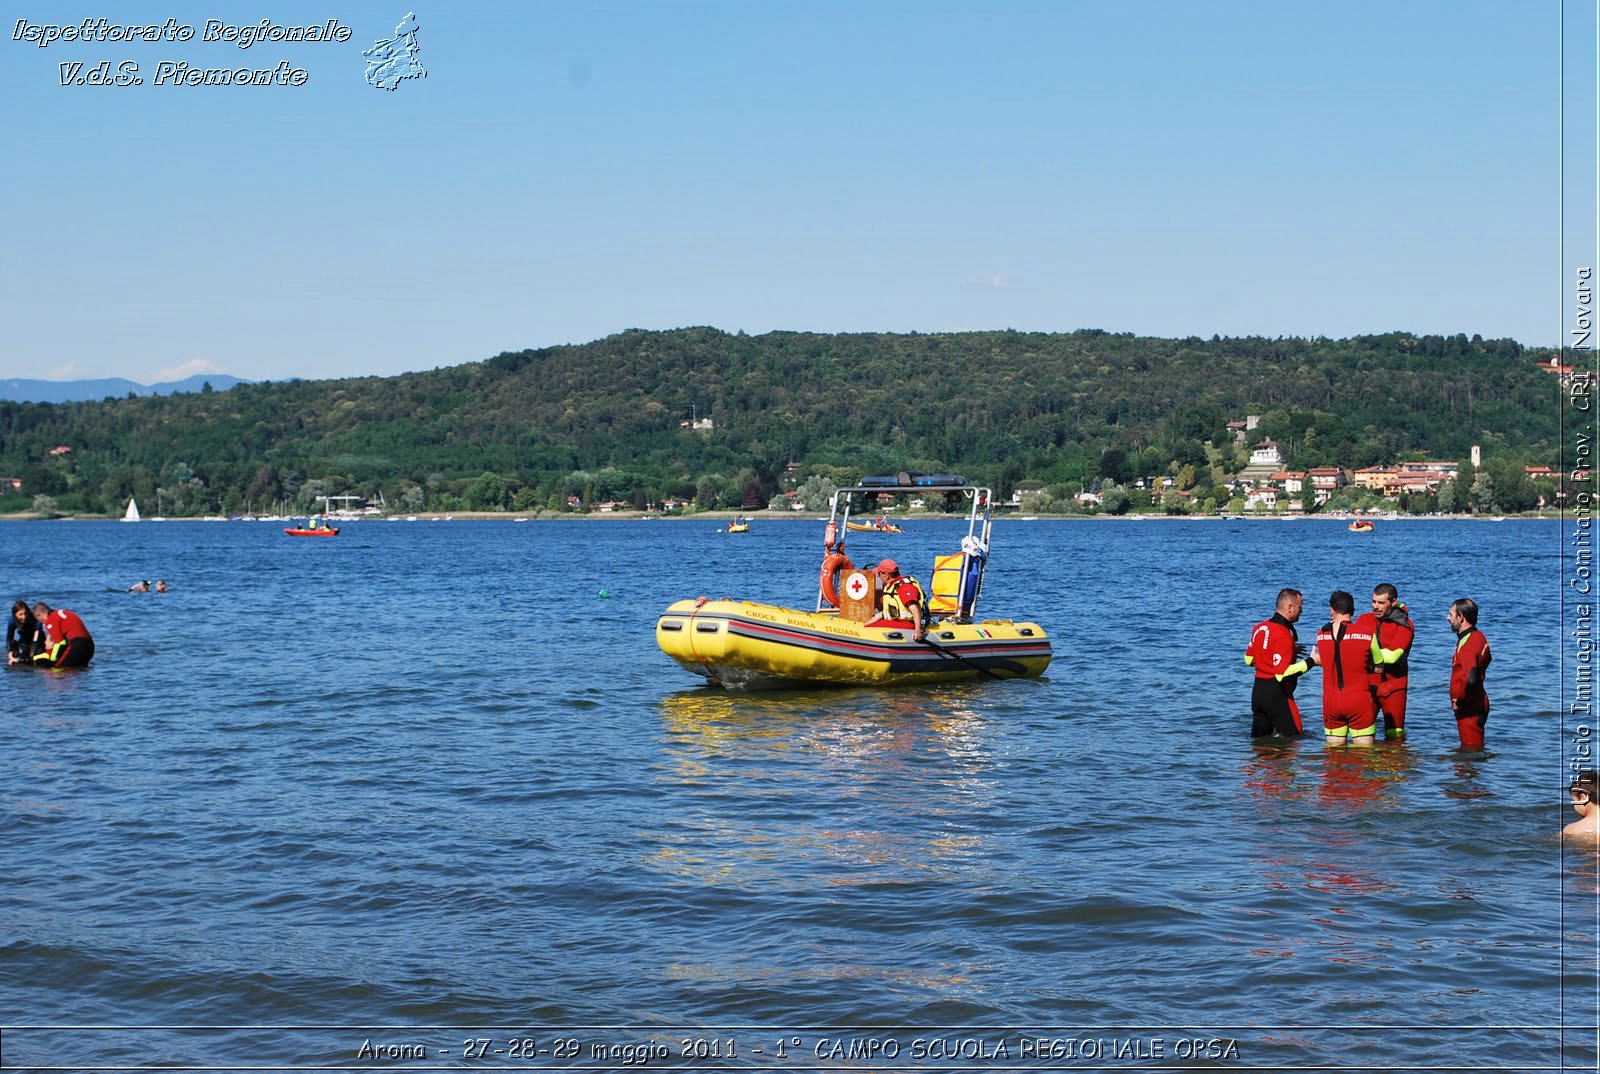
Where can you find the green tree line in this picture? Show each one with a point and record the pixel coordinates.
(601, 421)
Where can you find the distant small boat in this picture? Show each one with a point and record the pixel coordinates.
(132, 514)
(739, 525)
(1361, 526)
(315, 528)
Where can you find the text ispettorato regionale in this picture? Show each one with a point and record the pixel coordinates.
(214, 30)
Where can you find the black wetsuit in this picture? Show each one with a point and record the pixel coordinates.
(26, 638)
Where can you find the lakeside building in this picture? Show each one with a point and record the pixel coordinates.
(1266, 453)
(1265, 496)
(1291, 481)
(1325, 481)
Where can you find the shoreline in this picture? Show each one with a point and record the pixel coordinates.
(795, 516)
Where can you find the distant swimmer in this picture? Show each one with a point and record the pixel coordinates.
(1392, 633)
(1467, 670)
(1344, 652)
(71, 646)
(161, 585)
(140, 587)
(1274, 646)
(1585, 792)
(24, 635)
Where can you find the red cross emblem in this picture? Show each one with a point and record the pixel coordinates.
(856, 586)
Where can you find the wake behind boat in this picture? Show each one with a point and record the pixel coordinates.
(844, 641)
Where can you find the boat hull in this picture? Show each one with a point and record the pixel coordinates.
(745, 645)
(333, 532)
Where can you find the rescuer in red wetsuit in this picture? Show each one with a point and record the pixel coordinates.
(1392, 631)
(1467, 669)
(1349, 710)
(70, 643)
(900, 601)
(1274, 646)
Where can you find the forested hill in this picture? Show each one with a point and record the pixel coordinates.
(602, 419)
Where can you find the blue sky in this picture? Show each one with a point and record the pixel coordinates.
(570, 170)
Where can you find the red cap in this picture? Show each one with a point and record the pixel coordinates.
(888, 566)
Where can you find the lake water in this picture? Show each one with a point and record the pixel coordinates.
(421, 786)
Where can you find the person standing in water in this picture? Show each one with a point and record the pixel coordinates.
(1467, 670)
(1344, 651)
(1392, 632)
(1274, 646)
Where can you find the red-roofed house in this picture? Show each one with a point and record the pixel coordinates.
(1326, 480)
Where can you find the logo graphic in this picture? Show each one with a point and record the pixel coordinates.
(856, 586)
(391, 62)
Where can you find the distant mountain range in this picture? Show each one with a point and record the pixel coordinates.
(73, 391)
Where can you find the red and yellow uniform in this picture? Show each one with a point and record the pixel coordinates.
(70, 643)
(894, 603)
(1272, 705)
(1467, 696)
(1349, 709)
(1391, 657)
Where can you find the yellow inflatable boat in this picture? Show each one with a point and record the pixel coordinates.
(846, 641)
(744, 645)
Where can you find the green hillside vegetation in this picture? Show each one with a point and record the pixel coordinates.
(601, 421)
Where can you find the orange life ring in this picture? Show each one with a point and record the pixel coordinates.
(833, 565)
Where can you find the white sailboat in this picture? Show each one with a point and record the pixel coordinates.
(132, 514)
